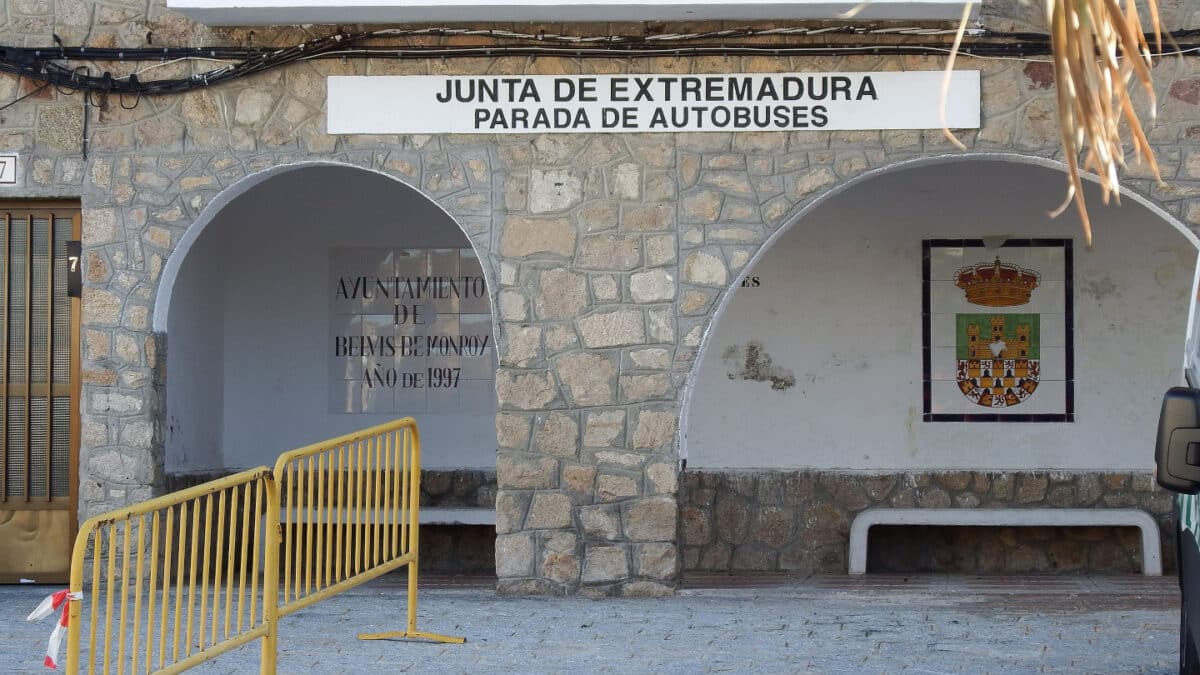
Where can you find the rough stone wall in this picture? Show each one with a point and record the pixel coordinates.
(458, 549)
(445, 549)
(440, 488)
(460, 488)
(607, 254)
(799, 521)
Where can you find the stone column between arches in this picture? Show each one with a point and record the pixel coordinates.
(588, 382)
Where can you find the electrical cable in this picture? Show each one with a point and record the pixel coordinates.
(43, 64)
(22, 98)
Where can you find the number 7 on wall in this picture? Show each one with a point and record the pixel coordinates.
(74, 269)
(8, 169)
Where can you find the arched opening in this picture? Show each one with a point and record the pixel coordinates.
(322, 299)
(812, 401)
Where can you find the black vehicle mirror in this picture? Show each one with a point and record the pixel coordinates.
(1177, 451)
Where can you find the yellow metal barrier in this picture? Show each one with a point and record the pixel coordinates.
(203, 579)
(206, 564)
(349, 514)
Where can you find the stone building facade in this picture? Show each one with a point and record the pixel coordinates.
(608, 257)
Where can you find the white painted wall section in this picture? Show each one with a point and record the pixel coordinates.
(839, 309)
(196, 341)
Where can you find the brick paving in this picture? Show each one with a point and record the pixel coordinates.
(836, 624)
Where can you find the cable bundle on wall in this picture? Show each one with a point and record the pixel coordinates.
(50, 64)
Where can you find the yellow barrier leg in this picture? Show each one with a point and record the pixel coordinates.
(411, 632)
(413, 635)
(269, 661)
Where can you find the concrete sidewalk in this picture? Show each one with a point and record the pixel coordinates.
(872, 624)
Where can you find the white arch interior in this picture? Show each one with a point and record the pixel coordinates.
(835, 324)
(246, 305)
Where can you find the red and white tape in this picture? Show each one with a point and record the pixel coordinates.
(45, 609)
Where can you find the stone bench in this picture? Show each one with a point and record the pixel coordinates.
(1016, 517)
(457, 516)
(428, 516)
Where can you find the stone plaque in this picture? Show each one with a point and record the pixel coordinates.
(410, 332)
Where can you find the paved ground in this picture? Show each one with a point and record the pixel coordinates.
(874, 624)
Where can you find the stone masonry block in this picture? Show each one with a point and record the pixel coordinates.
(647, 217)
(556, 434)
(60, 127)
(511, 507)
(589, 378)
(653, 286)
(517, 472)
(610, 252)
(655, 561)
(512, 431)
(562, 294)
(660, 250)
(579, 479)
(655, 429)
(604, 429)
(614, 487)
(549, 510)
(526, 391)
(514, 555)
(522, 345)
(660, 324)
(705, 269)
(115, 467)
(662, 478)
(605, 563)
(636, 388)
(561, 567)
(512, 305)
(650, 519)
(101, 308)
(605, 288)
(613, 329)
(697, 530)
(601, 522)
(523, 236)
(654, 358)
(554, 190)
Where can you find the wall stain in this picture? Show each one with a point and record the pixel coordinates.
(910, 427)
(1099, 289)
(752, 363)
(1166, 274)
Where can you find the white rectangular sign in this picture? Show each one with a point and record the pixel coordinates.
(427, 104)
(8, 169)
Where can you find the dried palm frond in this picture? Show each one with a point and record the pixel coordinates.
(1099, 49)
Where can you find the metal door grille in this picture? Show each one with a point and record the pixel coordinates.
(37, 368)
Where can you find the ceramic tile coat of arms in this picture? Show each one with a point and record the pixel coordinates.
(998, 331)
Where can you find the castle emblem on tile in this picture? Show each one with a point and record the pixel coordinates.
(998, 358)
(999, 364)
